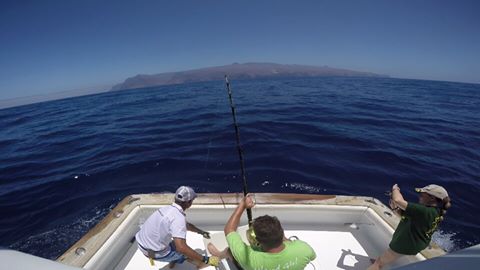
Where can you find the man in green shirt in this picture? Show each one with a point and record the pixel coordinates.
(272, 250)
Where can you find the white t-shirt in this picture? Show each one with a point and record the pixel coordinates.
(159, 229)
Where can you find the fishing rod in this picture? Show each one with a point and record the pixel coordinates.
(239, 147)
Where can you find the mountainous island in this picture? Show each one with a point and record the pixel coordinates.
(237, 72)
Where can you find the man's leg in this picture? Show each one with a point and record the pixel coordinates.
(387, 257)
(198, 264)
(224, 254)
(173, 257)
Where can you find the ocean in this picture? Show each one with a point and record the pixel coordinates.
(65, 164)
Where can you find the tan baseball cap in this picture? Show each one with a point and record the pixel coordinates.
(434, 190)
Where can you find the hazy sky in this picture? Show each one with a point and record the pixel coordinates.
(52, 46)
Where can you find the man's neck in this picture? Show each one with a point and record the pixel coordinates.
(277, 249)
(179, 206)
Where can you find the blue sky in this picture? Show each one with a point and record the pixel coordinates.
(52, 46)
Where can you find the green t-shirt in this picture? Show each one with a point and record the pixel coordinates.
(415, 230)
(295, 256)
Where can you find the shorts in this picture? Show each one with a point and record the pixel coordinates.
(172, 256)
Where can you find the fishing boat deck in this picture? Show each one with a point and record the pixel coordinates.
(335, 250)
(344, 231)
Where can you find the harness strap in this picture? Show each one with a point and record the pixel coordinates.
(151, 253)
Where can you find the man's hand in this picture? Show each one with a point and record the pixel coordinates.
(248, 201)
(397, 199)
(204, 234)
(392, 205)
(194, 228)
(213, 261)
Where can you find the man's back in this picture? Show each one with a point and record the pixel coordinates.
(157, 231)
(295, 256)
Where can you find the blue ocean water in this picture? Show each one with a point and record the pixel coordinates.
(64, 164)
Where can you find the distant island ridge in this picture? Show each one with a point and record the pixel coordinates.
(238, 72)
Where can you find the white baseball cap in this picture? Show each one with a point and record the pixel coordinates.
(434, 190)
(185, 194)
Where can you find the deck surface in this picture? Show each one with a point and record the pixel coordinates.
(334, 249)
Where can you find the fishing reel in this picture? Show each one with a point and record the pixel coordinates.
(252, 239)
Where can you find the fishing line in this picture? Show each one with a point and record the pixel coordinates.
(216, 112)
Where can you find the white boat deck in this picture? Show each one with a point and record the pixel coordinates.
(345, 232)
(335, 250)
(339, 245)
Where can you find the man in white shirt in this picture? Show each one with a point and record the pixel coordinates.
(163, 235)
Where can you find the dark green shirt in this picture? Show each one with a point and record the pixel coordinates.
(415, 230)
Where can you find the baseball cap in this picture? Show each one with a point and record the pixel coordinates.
(185, 194)
(434, 190)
